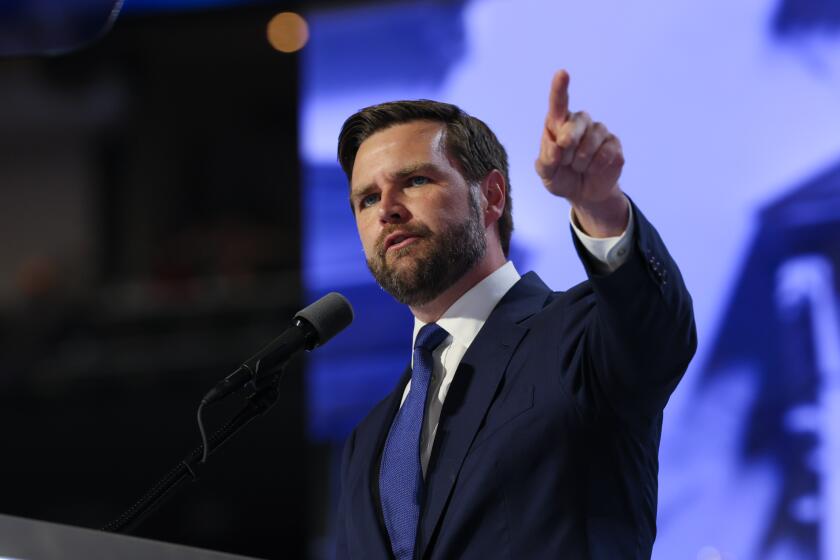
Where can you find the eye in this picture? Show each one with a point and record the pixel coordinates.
(418, 180)
(368, 200)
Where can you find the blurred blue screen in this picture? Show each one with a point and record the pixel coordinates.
(728, 114)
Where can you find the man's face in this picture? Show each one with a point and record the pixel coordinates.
(419, 221)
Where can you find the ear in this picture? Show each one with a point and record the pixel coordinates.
(493, 196)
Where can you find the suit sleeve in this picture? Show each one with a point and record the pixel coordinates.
(640, 333)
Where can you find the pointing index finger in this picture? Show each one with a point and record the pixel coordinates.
(558, 102)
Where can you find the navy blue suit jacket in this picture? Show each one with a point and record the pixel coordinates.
(548, 440)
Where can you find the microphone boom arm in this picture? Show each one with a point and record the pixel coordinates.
(256, 405)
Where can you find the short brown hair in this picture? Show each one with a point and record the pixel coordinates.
(468, 141)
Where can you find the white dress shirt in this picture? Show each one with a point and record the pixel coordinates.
(464, 319)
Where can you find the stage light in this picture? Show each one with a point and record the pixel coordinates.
(287, 32)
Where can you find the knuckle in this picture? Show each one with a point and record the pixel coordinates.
(565, 139)
(604, 157)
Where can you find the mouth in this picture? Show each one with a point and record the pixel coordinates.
(399, 240)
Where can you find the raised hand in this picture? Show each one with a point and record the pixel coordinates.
(581, 160)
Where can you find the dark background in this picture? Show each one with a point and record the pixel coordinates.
(149, 204)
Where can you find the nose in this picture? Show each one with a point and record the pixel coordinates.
(392, 208)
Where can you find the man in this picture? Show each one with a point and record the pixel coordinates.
(528, 425)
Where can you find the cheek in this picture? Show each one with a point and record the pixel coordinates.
(367, 237)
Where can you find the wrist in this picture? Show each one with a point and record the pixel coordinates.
(606, 217)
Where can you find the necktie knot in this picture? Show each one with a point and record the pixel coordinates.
(430, 337)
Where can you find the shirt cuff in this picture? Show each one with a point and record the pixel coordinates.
(608, 253)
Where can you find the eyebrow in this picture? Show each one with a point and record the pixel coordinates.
(403, 173)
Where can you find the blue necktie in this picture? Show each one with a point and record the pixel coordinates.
(400, 475)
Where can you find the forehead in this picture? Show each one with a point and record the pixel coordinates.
(391, 149)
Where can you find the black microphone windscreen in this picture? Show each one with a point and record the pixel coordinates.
(328, 316)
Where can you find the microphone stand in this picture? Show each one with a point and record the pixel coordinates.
(257, 404)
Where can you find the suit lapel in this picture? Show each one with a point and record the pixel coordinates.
(471, 394)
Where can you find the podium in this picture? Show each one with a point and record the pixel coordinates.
(27, 539)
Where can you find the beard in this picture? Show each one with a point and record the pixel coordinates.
(436, 260)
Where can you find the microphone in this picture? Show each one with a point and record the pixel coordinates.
(312, 326)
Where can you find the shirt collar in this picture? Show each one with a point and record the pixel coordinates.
(467, 315)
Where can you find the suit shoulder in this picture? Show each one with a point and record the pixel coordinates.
(577, 295)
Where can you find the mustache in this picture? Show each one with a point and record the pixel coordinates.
(419, 229)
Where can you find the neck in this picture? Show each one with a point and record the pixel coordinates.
(433, 310)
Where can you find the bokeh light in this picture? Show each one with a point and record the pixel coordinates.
(287, 32)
